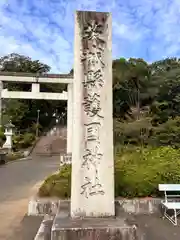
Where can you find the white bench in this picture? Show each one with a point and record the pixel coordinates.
(170, 203)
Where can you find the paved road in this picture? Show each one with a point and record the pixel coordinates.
(154, 227)
(18, 182)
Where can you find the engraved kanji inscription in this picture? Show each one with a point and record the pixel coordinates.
(99, 54)
(93, 31)
(86, 188)
(90, 189)
(93, 79)
(90, 57)
(93, 57)
(91, 105)
(91, 157)
(92, 131)
(97, 187)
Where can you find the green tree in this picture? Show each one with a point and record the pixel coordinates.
(24, 112)
(166, 74)
(131, 79)
(19, 63)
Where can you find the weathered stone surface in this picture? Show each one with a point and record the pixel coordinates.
(139, 206)
(65, 159)
(67, 228)
(96, 233)
(44, 232)
(42, 206)
(38, 207)
(92, 147)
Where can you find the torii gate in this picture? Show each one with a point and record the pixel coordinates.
(35, 81)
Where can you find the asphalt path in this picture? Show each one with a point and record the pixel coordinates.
(19, 180)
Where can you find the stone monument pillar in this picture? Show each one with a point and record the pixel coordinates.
(92, 187)
(92, 179)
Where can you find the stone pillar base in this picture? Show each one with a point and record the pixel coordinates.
(66, 228)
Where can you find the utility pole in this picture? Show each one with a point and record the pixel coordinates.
(37, 124)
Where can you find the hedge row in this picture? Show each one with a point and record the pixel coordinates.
(137, 173)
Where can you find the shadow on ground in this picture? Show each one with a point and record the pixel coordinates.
(27, 229)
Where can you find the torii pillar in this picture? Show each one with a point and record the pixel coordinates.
(69, 118)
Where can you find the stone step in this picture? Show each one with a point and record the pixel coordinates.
(51, 144)
(44, 232)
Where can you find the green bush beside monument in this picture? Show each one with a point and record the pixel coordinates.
(137, 173)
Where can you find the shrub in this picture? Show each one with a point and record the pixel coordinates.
(16, 141)
(58, 185)
(23, 140)
(2, 137)
(133, 132)
(137, 173)
(28, 139)
(14, 156)
(34, 128)
(141, 132)
(167, 133)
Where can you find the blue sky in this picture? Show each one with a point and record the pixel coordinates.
(44, 29)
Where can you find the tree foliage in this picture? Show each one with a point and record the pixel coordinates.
(137, 174)
(19, 63)
(146, 91)
(146, 97)
(23, 113)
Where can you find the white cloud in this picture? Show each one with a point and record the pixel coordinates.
(44, 29)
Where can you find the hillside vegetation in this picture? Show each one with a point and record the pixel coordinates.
(146, 112)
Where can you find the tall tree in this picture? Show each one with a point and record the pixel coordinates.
(131, 80)
(166, 74)
(20, 63)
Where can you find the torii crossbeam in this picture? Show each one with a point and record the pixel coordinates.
(35, 80)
